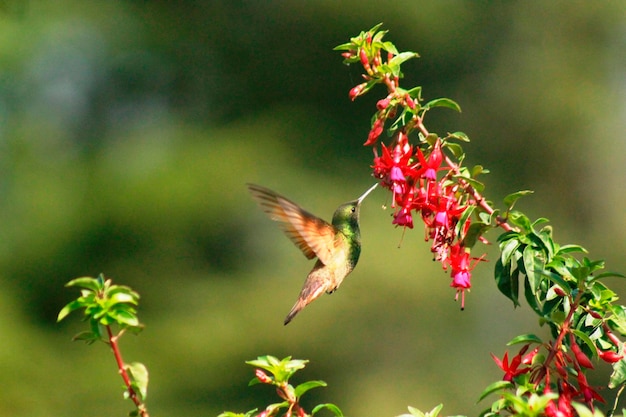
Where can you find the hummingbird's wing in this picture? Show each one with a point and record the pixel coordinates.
(312, 235)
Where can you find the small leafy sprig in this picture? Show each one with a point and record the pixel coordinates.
(106, 305)
(424, 173)
(280, 371)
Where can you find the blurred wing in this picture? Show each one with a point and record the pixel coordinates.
(312, 235)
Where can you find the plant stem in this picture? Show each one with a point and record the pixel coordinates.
(143, 412)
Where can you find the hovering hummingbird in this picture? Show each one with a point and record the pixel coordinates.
(337, 246)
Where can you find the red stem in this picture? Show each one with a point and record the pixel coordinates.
(143, 412)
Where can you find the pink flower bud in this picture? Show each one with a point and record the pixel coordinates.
(383, 103)
(356, 91)
(262, 376)
(409, 102)
(377, 129)
(363, 56)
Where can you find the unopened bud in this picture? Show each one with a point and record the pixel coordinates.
(262, 376)
(356, 91)
(383, 103)
(409, 102)
(609, 356)
(581, 358)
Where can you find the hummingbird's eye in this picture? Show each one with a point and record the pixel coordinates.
(353, 209)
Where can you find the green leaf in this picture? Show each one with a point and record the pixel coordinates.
(509, 200)
(533, 265)
(456, 149)
(585, 338)
(139, 377)
(606, 275)
(443, 102)
(508, 249)
(495, 387)
(231, 414)
(390, 47)
(618, 377)
(531, 296)
(507, 281)
(558, 280)
(122, 297)
(397, 60)
(525, 338)
(330, 407)
(571, 249)
(462, 136)
(87, 337)
(305, 386)
(85, 282)
(69, 308)
(519, 219)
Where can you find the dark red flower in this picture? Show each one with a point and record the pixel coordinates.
(511, 370)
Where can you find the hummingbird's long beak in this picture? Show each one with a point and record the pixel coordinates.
(360, 199)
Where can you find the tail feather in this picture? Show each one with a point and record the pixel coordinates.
(312, 289)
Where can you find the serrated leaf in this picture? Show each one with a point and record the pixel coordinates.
(495, 387)
(330, 407)
(305, 386)
(525, 338)
(443, 102)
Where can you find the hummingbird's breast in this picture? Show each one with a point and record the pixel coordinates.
(342, 262)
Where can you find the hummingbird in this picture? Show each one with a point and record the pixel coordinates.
(337, 245)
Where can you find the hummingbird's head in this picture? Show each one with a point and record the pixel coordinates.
(347, 215)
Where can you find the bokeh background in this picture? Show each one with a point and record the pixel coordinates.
(129, 128)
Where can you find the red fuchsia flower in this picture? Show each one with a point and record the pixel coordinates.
(433, 163)
(459, 261)
(563, 406)
(395, 170)
(610, 356)
(589, 394)
(582, 359)
(511, 370)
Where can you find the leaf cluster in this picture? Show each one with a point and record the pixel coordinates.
(280, 371)
(104, 304)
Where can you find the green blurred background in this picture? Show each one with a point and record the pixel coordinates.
(129, 128)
